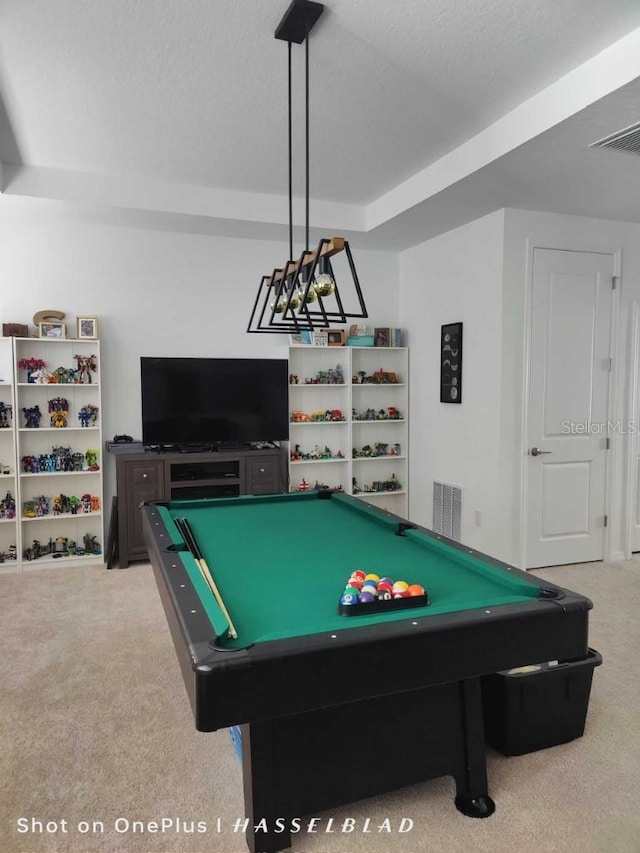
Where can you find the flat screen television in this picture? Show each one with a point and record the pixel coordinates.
(213, 401)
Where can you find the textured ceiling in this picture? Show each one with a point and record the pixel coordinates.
(194, 93)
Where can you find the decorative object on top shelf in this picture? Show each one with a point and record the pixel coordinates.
(6, 414)
(88, 415)
(32, 417)
(52, 330)
(388, 337)
(15, 330)
(48, 315)
(87, 328)
(59, 412)
(381, 337)
(451, 363)
(335, 337)
(292, 298)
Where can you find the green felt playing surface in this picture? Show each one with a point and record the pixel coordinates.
(281, 563)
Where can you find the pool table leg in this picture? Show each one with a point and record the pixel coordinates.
(472, 796)
(260, 790)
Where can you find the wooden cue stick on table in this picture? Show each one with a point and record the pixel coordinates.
(187, 533)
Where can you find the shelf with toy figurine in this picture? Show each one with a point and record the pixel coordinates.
(57, 429)
(63, 516)
(60, 473)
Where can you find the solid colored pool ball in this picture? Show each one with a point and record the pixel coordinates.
(416, 589)
(349, 598)
(366, 597)
(358, 573)
(402, 593)
(400, 586)
(372, 577)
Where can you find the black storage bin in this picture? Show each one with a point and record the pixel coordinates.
(537, 708)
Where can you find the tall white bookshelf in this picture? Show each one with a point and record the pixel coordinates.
(366, 451)
(9, 521)
(57, 458)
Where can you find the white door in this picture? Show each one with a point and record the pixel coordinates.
(568, 406)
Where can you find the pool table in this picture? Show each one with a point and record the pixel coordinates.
(336, 708)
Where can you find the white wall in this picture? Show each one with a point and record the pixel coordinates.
(456, 277)
(525, 230)
(154, 292)
(479, 274)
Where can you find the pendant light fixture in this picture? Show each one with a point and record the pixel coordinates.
(304, 294)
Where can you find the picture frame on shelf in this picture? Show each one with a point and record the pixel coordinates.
(52, 329)
(87, 328)
(320, 339)
(300, 339)
(335, 337)
(381, 338)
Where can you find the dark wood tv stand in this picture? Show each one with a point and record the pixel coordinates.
(155, 476)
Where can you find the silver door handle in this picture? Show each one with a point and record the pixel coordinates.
(535, 451)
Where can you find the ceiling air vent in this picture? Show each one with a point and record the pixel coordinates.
(623, 140)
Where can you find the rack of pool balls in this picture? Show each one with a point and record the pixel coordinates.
(369, 593)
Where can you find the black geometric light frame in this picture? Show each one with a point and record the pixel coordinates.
(304, 294)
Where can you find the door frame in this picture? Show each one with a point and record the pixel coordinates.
(631, 455)
(614, 353)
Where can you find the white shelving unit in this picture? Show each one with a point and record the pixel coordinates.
(375, 416)
(8, 477)
(76, 534)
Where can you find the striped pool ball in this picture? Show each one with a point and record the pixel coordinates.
(349, 598)
(400, 586)
(358, 573)
(403, 593)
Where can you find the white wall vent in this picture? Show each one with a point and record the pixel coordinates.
(447, 510)
(627, 140)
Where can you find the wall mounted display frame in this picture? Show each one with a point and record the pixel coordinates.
(451, 363)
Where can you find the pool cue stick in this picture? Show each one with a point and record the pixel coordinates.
(190, 539)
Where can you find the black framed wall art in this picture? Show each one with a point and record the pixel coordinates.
(451, 363)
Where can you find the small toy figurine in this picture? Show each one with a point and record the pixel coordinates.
(32, 417)
(88, 415)
(92, 459)
(304, 486)
(59, 411)
(8, 507)
(6, 413)
(86, 366)
(91, 544)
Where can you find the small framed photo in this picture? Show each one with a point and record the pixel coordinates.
(382, 338)
(52, 330)
(335, 337)
(87, 328)
(300, 339)
(320, 339)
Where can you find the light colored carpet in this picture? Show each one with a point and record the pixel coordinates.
(95, 726)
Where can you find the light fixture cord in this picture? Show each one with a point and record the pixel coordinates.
(306, 58)
(290, 165)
